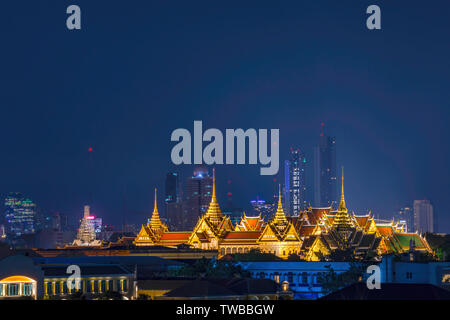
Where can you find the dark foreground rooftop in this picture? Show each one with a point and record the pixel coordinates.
(390, 291)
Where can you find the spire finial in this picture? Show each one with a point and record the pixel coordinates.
(155, 207)
(213, 198)
(342, 202)
(279, 195)
(279, 214)
(155, 220)
(213, 212)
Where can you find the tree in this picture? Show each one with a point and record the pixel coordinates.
(295, 257)
(440, 244)
(332, 281)
(255, 255)
(213, 268)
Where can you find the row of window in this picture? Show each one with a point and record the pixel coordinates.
(13, 289)
(90, 286)
(289, 277)
(233, 250)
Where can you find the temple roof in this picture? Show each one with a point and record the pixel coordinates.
(243, 235)
(175, 236)
(305, 231)
(342, 221)
(155, 221)
(250, 223)
(280, 217)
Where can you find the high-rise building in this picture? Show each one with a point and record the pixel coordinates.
(263, 208)
(230, 209)
(295, 182)
(406, 215)
(423, 216)
(173, 203)
(325, 175)
(20, 215)
(197, 195)
(172, 184)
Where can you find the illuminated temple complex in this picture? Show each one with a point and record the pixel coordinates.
(313, 235)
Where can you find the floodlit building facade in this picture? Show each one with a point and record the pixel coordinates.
(313, 235)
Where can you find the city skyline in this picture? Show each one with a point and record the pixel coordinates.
(122, 88)
(180, 195)
(202, 171)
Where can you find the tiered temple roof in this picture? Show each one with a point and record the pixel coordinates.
(313, 234)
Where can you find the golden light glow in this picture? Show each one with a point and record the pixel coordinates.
(311, 235)
(16, 279)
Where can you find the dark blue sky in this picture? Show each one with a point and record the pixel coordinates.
(138, 70)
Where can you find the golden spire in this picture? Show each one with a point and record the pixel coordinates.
(342, 221)
(342, 203)
(155, 221)
(279, 215)
(214, 213)
(213, 198)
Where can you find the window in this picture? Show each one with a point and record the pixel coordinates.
(290, 277)
(125, 285)
(27, 289)
(409, 275)
(48, 287)
(12, 289)
(319, 277)
(276, 277)
(110, 285)
(304, 277)
(57, 288)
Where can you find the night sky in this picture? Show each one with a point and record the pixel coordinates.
(138, 70)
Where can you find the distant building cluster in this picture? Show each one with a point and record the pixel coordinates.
(186, 202)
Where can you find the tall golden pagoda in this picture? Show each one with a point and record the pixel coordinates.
(280, 220)
(153, 231)
(155, 220)
(313, 235)
(214, 214)
(212, 226)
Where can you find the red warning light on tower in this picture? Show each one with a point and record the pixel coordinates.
(90, 149)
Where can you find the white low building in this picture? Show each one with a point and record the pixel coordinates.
(301, 276)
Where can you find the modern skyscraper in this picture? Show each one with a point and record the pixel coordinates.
(295, 182)
(230, 209)
(423, 216)
(20, 214)
(172, 185)
(198, 191)
(406, 215)
(325, 175)
(172, 200)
